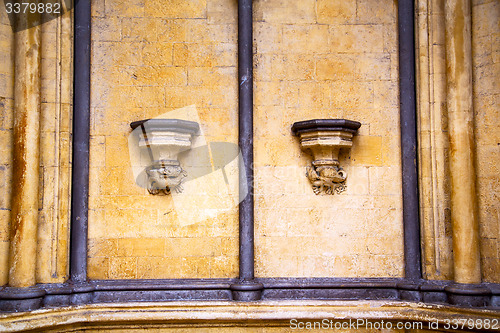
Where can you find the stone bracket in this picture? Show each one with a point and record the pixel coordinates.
(324, 138)
(164, 139)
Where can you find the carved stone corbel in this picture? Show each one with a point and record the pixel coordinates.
(164, 139)
(324, 138)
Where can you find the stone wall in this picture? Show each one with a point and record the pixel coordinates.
(313, 59)
(149, 58)
(327, 59)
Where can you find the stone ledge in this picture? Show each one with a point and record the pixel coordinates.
(219, 314)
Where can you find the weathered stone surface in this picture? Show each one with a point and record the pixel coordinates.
(313, 59)
(157, 57)
(352, 77)
(464, 213)
(55, 150)
(26, 155)
(6, 139)
(486, 99)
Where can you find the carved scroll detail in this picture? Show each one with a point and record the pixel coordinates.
(327, 179)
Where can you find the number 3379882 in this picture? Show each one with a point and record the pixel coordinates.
(31, 7)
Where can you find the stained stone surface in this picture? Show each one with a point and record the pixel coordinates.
(486, 88)
(313, 59)
(327, 60)
(149, 58)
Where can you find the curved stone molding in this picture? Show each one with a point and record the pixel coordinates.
(164, 139)
(324, 138)
(193, 315)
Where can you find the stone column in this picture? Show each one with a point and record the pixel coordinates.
(467, 268)
(23, 234)
(55, 149)
(433, 145)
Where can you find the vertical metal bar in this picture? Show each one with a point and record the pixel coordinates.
(247, 289)
(81, 133)
(245, 80)
(411, 222)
